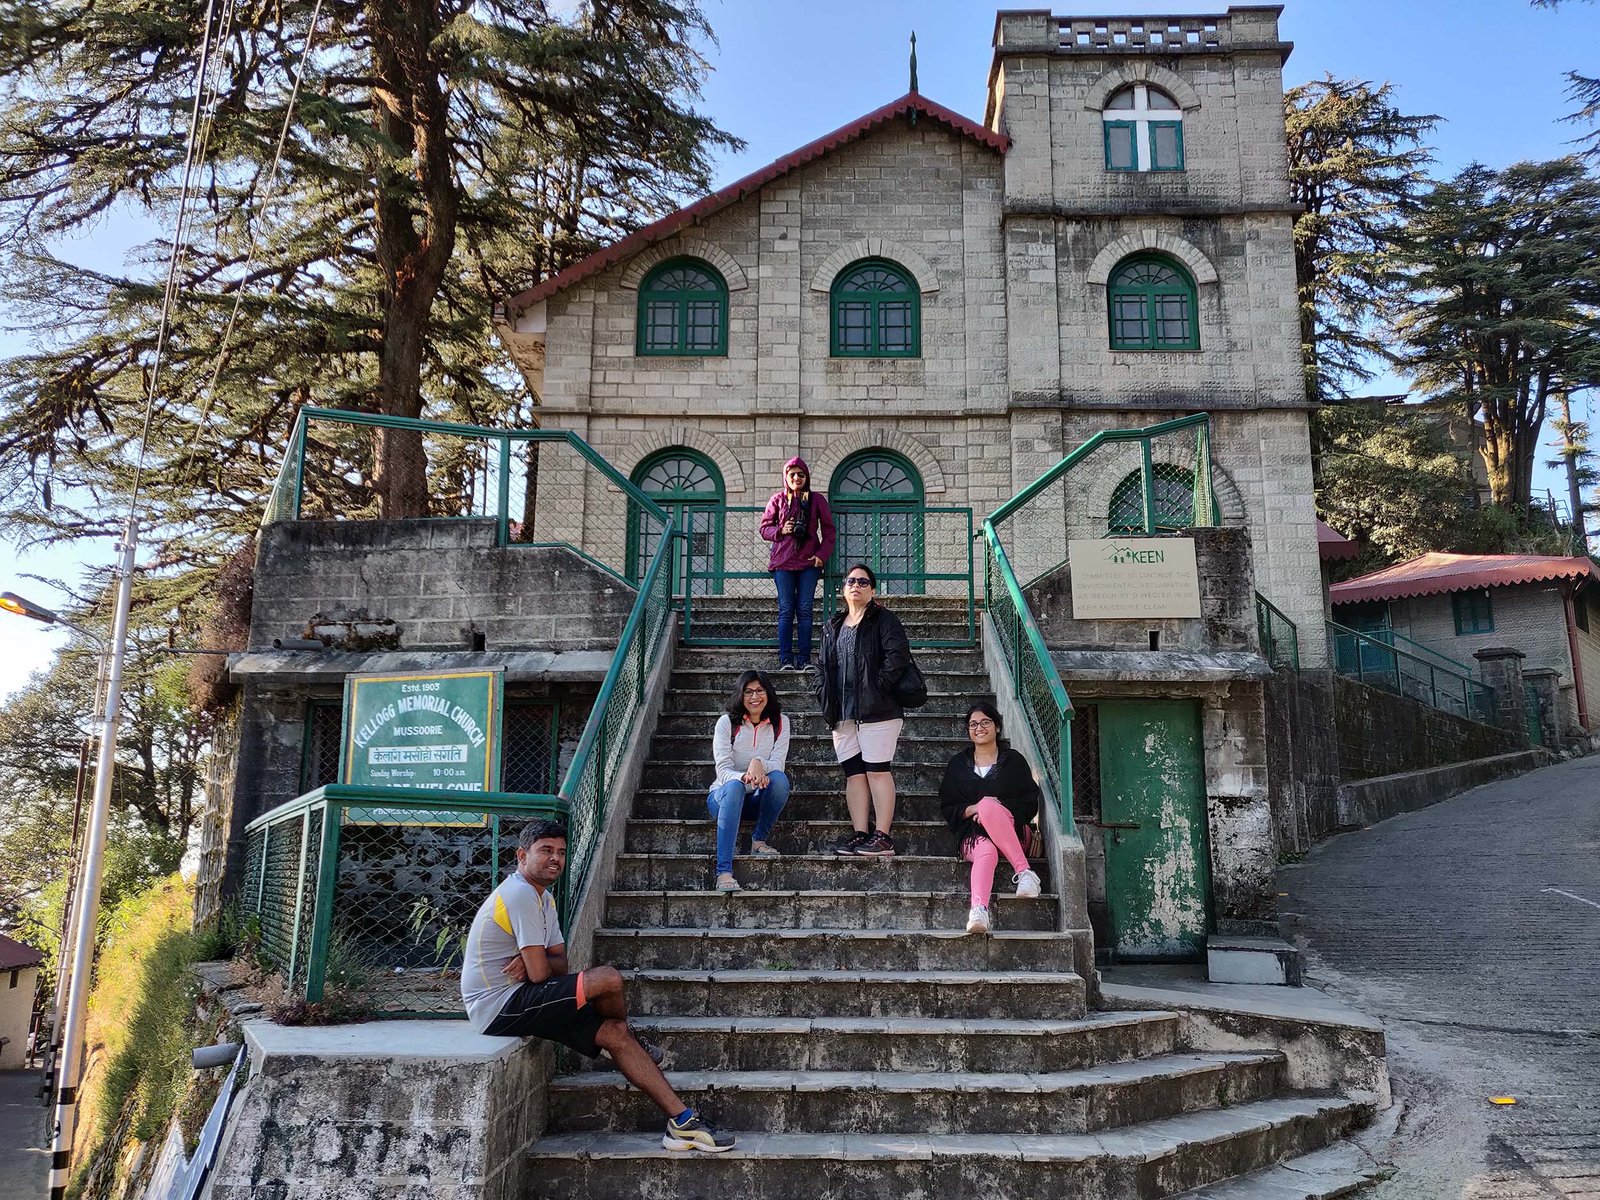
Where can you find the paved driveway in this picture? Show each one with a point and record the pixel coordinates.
(24, 1137)
(1472, 929)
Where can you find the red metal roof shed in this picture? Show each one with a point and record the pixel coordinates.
(1436, 573)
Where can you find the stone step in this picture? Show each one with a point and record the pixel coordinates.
(764, 992)
(804, 872)
(778, 1101)
(759, 630)
(1142, 1162)
(808, 746)
(819, 909)
(909, 777)
(818, 795)
(684, 836)
(1341, 1169)
(725, 659)
(907, 1044)
(802, 950)
(760, 596)
(705, 705)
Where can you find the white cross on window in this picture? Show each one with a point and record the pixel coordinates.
(1155, 122)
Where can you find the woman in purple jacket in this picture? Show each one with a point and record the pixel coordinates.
(799, 525)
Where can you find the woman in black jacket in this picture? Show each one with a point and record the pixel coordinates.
(865, 651)
(988, 797)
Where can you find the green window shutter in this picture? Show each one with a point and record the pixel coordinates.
(1152, 304)
(1122, 149)
(876, 312)
(683, 310)
(1166, 145)
(1473, 611)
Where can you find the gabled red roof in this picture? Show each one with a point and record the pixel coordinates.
(14, 954)
(1331, 544)
(911, 102)
(1435, 573)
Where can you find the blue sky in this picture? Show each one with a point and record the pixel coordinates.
(787, 71)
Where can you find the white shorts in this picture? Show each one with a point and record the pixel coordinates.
(870, 742)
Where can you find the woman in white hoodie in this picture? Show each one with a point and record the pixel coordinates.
(751, 749)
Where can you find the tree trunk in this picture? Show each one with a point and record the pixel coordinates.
(415, 209)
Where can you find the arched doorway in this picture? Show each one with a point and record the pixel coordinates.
(689, 485)
(877, 503)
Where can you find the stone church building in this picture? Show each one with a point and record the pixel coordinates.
(933, 309)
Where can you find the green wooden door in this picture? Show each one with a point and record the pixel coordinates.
(1153, 813)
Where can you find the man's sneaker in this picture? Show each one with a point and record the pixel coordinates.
(696, 1134)
(853, 843)
(977, 919)
(1027, 884)
(879, 845)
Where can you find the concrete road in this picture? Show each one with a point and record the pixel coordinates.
(24, 1137)
(1472, 930)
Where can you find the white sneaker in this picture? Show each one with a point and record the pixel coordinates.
(978, 919)
(1027, 884)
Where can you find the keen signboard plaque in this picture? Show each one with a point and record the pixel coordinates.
(1133, 578)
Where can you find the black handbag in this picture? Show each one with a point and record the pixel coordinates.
(911, 689)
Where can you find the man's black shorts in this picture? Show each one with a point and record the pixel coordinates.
(549, 1010)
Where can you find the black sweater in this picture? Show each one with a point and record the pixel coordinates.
(1011, 782)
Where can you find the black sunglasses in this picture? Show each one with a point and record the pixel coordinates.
(858, 581)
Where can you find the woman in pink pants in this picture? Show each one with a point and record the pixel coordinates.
(988, 798)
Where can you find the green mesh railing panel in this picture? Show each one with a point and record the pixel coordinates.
(1280, 638)
(914, 550)
(541, 487)
(1037, 684)
(281, 857)
(1128, 482)
(1371, 660)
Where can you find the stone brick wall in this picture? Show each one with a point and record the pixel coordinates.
(1528, 617)
(1380, 733)
(1302, 757)
(441, 581)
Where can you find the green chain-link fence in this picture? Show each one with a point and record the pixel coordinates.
(1377, 662)
(373, 890)
(1280, 638)
(1133, 482)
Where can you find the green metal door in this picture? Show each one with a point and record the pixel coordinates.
(876, 498)
(1153, 817)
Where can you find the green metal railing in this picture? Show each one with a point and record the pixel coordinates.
(1037, 683)
(1417, 650)
(914, 551)
(1121, 481)
(1375, 662)
(373, 889)
(333, 461)
(1280, 638)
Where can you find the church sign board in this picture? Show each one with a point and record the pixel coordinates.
(425, 730)
(1133, 578)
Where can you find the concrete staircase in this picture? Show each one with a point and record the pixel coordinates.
(836, 1016)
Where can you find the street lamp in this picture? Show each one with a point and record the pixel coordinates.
(88, 907)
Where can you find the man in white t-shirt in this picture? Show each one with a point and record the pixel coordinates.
(515, 983)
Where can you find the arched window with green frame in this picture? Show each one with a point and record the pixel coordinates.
(1152, 305)
(1171, 498)
(876, 311)
(683, 310)
(687, 484)
(877, 500)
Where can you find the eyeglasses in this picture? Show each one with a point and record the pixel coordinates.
(858, 581)
(755, 691)
(985, 723)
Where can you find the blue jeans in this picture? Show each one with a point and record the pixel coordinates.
(729, 805)
(797, 593)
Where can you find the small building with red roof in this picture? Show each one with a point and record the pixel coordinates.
(19, 978)
(1546, 606)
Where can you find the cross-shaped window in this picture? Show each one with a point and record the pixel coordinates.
(1143, 131)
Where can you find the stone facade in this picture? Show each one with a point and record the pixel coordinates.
(1011, 252)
